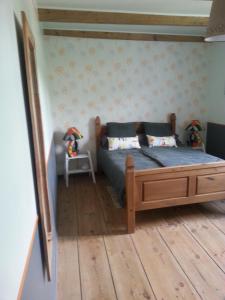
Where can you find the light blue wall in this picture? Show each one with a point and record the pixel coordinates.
(216, 86)
(37, 286)
(17, 196)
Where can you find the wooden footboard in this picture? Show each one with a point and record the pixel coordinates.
(170, 186)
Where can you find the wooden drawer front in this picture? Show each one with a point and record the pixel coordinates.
(211, 183)
(165, 189)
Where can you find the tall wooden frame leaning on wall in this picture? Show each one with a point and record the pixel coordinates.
(38, 140)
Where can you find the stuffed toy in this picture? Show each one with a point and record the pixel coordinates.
(70, 138)
(195, 139)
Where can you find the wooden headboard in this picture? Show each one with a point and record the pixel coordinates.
(100, 129)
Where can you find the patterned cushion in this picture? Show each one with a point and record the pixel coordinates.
(163, 141)
(123, 143)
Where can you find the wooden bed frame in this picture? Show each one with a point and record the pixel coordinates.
(168, 186)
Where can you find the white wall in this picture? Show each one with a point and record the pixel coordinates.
(216, 87)
(18, 208)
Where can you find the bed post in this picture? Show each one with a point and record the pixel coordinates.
(130, 194)
(98, 129)
(173, 122)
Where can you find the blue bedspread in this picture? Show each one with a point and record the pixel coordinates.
(113, 165)
(171, 156)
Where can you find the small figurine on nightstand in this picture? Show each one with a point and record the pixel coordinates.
(195, 139)
(70, 138)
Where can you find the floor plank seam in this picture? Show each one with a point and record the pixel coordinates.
(100, 205)
(183, 222)
(110, 268)
(190, 233)
(101, 200)
(223, 232)
(179, 264)
(78, 250)
(212, 221)
(142, 266)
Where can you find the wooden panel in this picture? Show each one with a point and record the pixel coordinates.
(192, 185)
(210, 183)
(165, 189)
(139, 193)
(144, 205)
(100, 17)
(123, 36)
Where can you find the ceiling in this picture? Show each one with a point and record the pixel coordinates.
(160, 7)
(172, 7)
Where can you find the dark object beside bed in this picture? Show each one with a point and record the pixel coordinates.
(168, 186)
(215, 141)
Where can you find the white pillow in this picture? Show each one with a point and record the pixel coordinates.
(116, 143)
(161, 141)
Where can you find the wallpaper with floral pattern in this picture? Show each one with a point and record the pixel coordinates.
(124, 81)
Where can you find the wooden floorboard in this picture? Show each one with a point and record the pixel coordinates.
(159, 263)
(215, 212)
(176, 253)
(205, 275)
(209, 237)
(68, 262)
(96, 280)
(129, 277)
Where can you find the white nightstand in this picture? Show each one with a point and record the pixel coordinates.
(82, 156)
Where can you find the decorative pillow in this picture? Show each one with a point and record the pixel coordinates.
(163, 141)
(117, 143)
(158, 129)
(121, 129)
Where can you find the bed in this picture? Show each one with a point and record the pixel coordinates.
(146, 179)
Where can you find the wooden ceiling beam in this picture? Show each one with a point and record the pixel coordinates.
(123, 35)
(100, 17)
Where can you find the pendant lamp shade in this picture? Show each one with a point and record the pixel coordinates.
(216, 26)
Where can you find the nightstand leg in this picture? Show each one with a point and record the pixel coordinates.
(91, 166)
(66, 171)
